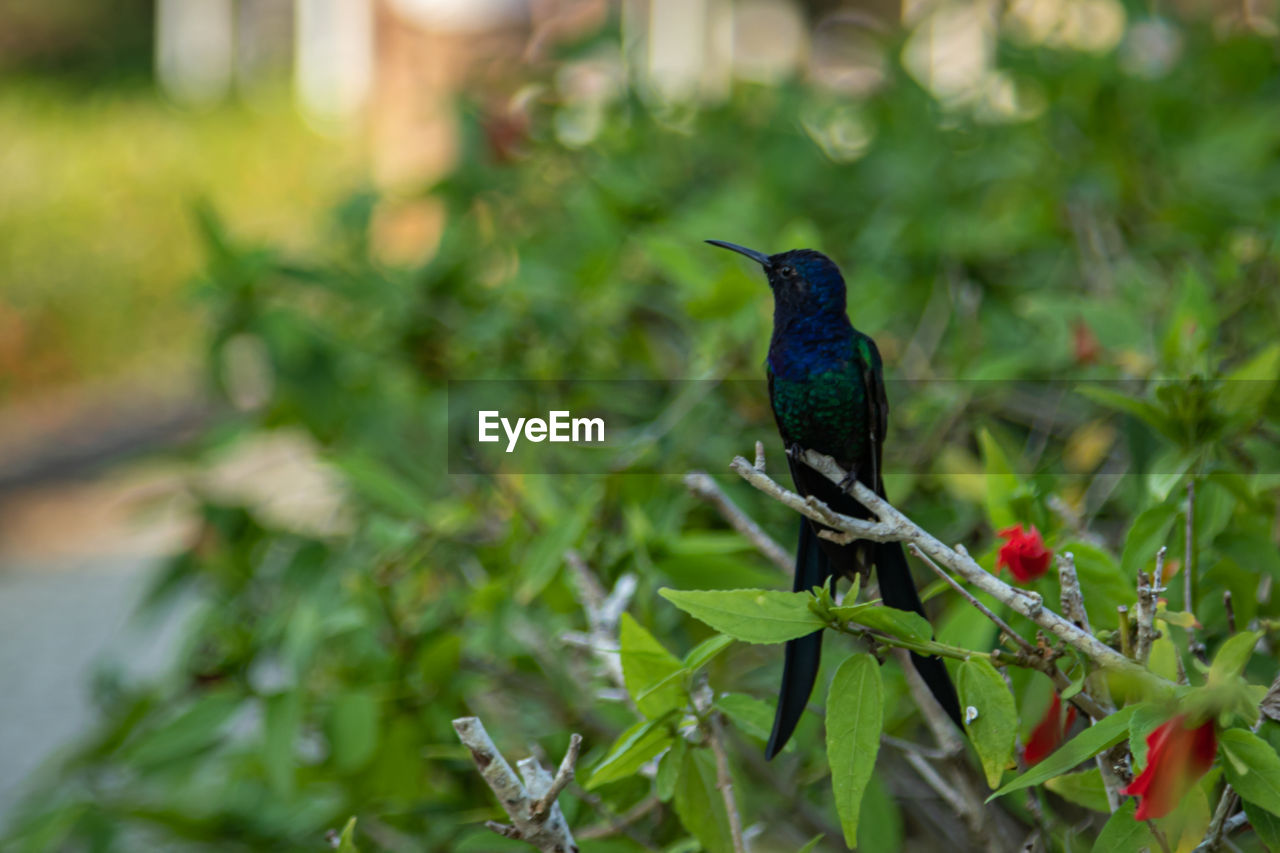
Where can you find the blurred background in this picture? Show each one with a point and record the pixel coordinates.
(244, 244)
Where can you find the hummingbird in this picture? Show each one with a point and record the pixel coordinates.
(826, 388)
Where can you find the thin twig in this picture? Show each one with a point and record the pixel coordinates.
(617, 823)
(1217, 831)
(1230, 608)
(1072, 602)
(1126, 644)
(564, 775)
(700, 484)
(1149, 590)
(713, 728)
(1188, 575)
(940, 725)
(971, 812)
(604, 612)
(969, 597)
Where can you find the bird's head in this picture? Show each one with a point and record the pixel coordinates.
(802, 280)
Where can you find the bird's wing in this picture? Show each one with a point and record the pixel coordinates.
(868, 360)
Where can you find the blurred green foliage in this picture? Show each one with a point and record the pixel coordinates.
(95, 239)
(1125, 231)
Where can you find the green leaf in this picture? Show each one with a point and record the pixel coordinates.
(280, 733)
(1254, 552)
(880, 826)
(647, 665)
(992, 731)
(353, 729)
(896, 623)
(703, 653)
(1103, 734)
(855, 717)
(1245, 390)
(750, 615)
(669, 770)
(1260, 784)
(811, 844)
(347, 840)
(630, 751)
(1147, 534)
(1000, 481)
(1084, 789)
(1123, 833)
(752, 716)
(1230, 659)
(1144, 410)
(195, 729)
(1264, 823)
(699, 803)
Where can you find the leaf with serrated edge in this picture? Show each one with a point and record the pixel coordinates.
(896, 623)
(750, 615)
(855, 716)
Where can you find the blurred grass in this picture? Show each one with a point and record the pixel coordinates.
(97, 243)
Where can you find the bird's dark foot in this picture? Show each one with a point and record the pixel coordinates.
(846, 485)
(794, 451)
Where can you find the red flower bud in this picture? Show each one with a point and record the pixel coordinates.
(1024, 553)
(1176, 758)
(1049, 733)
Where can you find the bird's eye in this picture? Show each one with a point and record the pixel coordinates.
(787, 272)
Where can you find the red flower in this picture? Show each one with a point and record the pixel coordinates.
(1176, 757)
(1024, 553)
(1049, 732)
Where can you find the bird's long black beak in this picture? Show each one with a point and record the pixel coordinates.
(759, 257)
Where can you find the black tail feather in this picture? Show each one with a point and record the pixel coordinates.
(899, 591)
(804, 654)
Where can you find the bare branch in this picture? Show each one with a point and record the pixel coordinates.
(892, 525)
(713, 728)
(943, 729)
(1149, 590)
(1217, 831)
(539, 823)
(702, 486)
(969, 597)
(614, 824)
(604, 611)
(564, 775)
(1072, 599)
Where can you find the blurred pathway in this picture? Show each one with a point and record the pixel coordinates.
(76, 558)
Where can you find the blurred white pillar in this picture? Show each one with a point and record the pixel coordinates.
(194, 49)
(333, 58)
(264, 35)
(690, 48)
